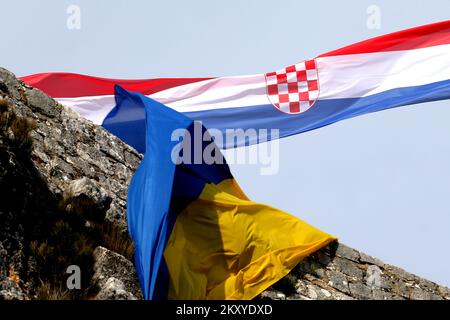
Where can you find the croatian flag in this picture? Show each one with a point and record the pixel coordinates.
(398, 69)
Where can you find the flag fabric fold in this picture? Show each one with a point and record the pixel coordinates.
(196, 234)
(403, 68)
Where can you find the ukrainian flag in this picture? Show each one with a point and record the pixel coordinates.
(196, 234)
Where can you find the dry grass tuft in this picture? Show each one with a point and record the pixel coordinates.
(13, 276)
(47, 291)
(117, 240)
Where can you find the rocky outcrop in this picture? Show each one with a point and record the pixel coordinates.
(74, 168)
(338, 272)
(64, 202)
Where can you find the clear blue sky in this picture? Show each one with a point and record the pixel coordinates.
(380, 182)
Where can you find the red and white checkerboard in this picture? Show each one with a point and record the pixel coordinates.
(294, 89)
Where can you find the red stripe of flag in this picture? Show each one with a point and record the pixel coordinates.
(420, 37)
(71, 85)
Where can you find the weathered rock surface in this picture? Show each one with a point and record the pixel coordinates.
(72, 161)
(114, 276)
(338, 272)
(68, 147)
(75, 162)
